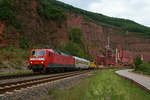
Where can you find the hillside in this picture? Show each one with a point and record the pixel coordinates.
(26, 24)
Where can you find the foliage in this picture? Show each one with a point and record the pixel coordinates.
(102, 85)
(75, 44)
(14, 57)
(50, 12)
(145, 67)
(140, 66)
(6, 12)
(103, 20)
(137, 62)
(75, 35)
(23, 42)
(73, 49)
(13, 54)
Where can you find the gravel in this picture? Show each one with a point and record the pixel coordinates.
(40, 92)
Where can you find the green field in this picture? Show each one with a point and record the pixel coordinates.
(103, 85)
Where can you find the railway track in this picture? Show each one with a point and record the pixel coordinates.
(10, 87)
(36, 74)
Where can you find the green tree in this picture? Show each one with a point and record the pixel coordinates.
(73, 49)
(75, 35)
(137, 62)
(6, 12)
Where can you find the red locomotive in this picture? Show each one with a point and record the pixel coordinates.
(49, 59)
(44, 60)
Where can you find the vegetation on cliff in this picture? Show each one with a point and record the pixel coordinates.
(26, 28)
(6, 12)
(106, 21)
(50, 12)
(75, 45)
(7, 9)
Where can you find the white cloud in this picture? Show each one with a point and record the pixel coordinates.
(137, 10)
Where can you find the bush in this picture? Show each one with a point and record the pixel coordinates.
(140, 66)
(137, 62)
(145, 67)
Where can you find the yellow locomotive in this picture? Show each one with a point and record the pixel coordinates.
(92, 65)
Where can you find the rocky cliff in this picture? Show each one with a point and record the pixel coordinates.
(34, 30)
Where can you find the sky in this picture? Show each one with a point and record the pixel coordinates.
(136, 10)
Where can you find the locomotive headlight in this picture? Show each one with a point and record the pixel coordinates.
(31, 62)
(42, 62)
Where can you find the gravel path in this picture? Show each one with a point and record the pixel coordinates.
(142, 80)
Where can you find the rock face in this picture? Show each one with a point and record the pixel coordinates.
(95, 37)
(36, 30)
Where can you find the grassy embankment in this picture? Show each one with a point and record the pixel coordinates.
(103, 85)
(11, 57)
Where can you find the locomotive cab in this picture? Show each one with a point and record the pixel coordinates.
(38, 59)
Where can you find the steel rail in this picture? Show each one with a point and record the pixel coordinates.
(29, 83)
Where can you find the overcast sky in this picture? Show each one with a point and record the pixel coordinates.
(136, 10)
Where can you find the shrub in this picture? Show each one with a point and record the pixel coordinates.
(145, 67)
(137, 62)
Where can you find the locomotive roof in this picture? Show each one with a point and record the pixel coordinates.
(55, 51)
(42, 49)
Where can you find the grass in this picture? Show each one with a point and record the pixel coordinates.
(141, 72)
(13, 57)
(16, 73)
(103, 85)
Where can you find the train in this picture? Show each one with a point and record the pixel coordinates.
(47, 60)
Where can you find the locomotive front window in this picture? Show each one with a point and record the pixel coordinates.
(38, 53)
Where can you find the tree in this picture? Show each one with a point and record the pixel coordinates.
(137, 62)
